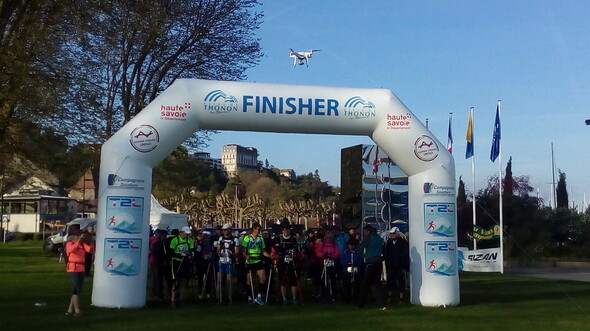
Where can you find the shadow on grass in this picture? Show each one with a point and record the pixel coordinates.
(496, 288)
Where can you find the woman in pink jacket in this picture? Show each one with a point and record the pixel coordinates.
(75, 251)
(327, 250)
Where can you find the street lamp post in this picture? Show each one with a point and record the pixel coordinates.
(236, 184)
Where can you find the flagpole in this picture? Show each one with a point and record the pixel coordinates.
(500, 190)
(473, 179)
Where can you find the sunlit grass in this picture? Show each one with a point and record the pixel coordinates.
(488, 302)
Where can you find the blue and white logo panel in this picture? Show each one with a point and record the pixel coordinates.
(440, 257)
(124, 214)
(439, 219)
(122, 256)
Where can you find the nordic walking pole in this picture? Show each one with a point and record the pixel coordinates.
(230, 291)
(205, 277)
(268, 286)
(298, 285)
(251, 282)
(220, 292)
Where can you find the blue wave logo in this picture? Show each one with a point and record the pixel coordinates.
(359, 108)
(215, 96)
(354, 102)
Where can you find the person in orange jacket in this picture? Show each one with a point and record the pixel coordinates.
(76, 249)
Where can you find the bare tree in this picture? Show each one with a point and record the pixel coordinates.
(132, 50)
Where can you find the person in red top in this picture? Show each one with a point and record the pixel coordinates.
(328, 251)
(76, 249)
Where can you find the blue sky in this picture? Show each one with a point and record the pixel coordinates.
(440, 57)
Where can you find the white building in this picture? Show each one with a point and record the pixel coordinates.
(211, 162)
(236, 158)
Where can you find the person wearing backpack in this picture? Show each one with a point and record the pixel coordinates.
(181, 248)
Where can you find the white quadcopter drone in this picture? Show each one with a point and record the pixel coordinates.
(303, 57)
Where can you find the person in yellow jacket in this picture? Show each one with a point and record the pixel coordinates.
(181, 248)
(253, 248)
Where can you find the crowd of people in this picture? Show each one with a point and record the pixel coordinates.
(255, 264)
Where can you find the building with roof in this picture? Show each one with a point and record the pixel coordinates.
(235, 158)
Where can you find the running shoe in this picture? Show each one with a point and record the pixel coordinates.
(259, 301)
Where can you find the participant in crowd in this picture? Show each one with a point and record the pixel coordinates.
(181, 248)
(157, 262)
(205, 265)
(372, 245)
(396, 255)
(76, 249)
(168, 261)
(352, 267)
(89, 256)
(267, 263)
(240, 268)
(317, 266)
(253, 249)
(228, 251)
(288, 253)
(353, 234)
(308, 250)
(327, 250)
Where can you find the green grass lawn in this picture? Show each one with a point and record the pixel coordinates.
(488, 302)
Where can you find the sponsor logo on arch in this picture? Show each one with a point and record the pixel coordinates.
(144, 138)
(425, 148)
(220, 102)
(174, 112)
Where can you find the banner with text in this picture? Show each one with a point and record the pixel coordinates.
(480, 233)
(479, 260)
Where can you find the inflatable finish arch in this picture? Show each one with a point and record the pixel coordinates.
(188, 105)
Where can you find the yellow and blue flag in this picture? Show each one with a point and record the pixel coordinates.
(469, 150)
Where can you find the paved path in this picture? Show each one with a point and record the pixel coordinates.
(577, 274)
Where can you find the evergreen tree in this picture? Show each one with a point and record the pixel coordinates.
(461, 196)
(508, 180)
(561, 191)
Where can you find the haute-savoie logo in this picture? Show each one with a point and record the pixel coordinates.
(359, 108)
(219, 102)
(144, 138)
(175, 112)
(399, 122)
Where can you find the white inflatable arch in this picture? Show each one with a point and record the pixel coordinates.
(188, 105)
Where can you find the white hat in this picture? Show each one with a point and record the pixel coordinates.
(185, 229)
(226, 226)
(394, 229)
(206, 233)
(243, 232)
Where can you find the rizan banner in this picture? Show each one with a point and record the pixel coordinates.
(479, 260)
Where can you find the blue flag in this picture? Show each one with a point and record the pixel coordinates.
(450, 137)
(469, 150)
(496, 138)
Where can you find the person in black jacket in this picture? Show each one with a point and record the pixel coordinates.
(396, 255)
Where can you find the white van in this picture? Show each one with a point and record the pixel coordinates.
(57, 241)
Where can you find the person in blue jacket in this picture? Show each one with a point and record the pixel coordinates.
(372, 245)
(352, 265)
